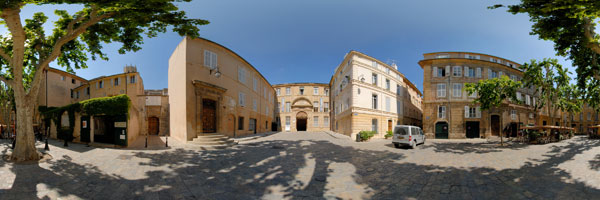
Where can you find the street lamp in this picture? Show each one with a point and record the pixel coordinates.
(217, 72)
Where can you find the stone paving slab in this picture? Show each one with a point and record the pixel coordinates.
(307, 165)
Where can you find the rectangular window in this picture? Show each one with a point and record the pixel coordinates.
(326, 121)
(265, 92)
(288, 91)
(116, 81)
(287, 107)
(101, 84)
(473, 95)
(457, 90)
(513, 114)
(62, 78)
(251, 124)
(387, 70)
(288, 120)
(441, 72)
(315, 91)
(470, 112)
(326, 105)
(73, 81)
(374, 102)
(301, 90)
(315, 106)
(210, 59)
(457, 71)
(374, 79)
(315, 121)
(441, 90)
(267, 110)
(254, 84)
(387, 104)
(387, 84)
(441, 112)
(242, 75)
(327, 91)
(278, 91)
(241, 123)
(471, 72)
(374, 64)
(87, 90)
(132, 79)
(242, 99)
(254, 106)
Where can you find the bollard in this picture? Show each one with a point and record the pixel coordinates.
(146, 145)
(66, 144)
(167, 141)
(14, 142)
(46, 147)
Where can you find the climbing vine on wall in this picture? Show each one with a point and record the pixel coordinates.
(116, 105)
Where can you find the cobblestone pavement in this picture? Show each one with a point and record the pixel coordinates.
(311, 166)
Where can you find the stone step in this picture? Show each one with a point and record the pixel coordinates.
(210, 139)
(217, 142)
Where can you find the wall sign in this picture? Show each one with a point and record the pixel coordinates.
(84, 124)
(120, 124)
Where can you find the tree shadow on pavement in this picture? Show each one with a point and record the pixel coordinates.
(312, 169)
(475, 147)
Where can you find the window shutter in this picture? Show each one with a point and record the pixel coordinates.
(478, 112)
(466, 71)
(489, 73)
(478, 72)
(434, 72)
(466, 111)
(466, 55)
(206, 58)
(448, 70)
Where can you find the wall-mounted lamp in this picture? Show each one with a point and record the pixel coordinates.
(217, 72)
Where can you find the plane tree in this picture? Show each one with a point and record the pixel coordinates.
(28, 49)
(492, 93)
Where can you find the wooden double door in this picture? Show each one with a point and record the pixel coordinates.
(209, 116)
(153, 125)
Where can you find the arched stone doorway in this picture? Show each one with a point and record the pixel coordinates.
(153, 125)
(301, 119)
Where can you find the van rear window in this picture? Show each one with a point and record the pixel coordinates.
(401, 131)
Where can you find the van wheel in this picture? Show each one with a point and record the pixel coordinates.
(414, 145)
(396, 145)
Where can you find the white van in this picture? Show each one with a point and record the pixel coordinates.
(406, 135)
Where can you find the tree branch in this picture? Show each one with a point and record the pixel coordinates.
(56, 50)
(13, 21)
(5, 56)
(589, 34)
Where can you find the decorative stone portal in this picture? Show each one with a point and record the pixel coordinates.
(209, 116)
(301, 119)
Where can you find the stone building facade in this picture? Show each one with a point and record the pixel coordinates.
(214, 90)
(448, 110)
(302, 107)
(370, 95)
(157, 111)
(101, 127)
(55, 90)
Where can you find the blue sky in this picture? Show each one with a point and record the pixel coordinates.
(303, 41)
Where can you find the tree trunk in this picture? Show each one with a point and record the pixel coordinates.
(25, 144)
